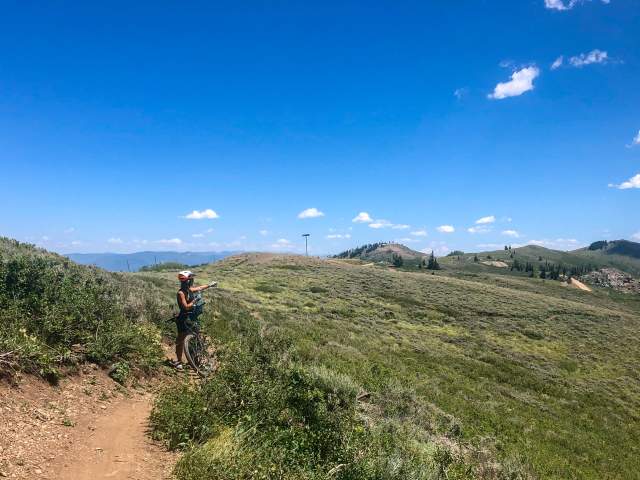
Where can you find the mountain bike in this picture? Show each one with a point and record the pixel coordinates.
(200, 353)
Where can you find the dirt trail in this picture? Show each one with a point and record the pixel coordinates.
(117, 448)
(88, 428)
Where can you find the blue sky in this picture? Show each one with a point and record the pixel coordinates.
(444, 125)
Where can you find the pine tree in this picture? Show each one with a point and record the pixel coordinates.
(433, 262)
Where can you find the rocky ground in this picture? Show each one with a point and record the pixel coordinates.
(612, 278)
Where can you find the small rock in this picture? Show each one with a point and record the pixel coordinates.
(38, 471)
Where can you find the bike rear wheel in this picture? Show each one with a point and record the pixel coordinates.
(200, 356)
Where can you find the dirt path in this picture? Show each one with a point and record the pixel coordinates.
(116, 448)
(87, 428)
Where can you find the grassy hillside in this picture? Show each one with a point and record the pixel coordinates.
(533, 378)
(386, 253)
(539, 256)
(55, 314)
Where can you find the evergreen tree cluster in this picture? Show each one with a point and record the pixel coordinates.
(552, 271)
(397, 260)
(360, 251)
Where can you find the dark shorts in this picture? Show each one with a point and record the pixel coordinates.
(184, 323)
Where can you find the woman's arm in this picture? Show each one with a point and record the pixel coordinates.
(202, 287)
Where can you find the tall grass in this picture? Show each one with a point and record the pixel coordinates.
(267, 415)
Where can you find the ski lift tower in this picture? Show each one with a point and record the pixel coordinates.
(306, 243)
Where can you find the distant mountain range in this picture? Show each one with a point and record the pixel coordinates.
(123, 262)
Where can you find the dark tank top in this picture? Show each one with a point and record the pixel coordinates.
(188, 297)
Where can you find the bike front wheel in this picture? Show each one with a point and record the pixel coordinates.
(200, 356)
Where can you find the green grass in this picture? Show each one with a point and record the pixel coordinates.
(534, 373)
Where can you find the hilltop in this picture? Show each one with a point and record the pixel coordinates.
(517, 372)
(383, 252)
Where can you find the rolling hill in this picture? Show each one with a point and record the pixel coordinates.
(383, 253)
(512, 377)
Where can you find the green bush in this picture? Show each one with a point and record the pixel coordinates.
(264, 415)
(54, 312)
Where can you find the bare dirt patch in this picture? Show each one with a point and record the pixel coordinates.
(88, 427)
(495, 263)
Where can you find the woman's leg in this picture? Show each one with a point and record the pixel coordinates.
(180, 345)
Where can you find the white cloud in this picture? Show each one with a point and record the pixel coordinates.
(401, 226)
(419, 233)
(69, 230)
(406, 240)
(209, 230)
(636, 236)
(264, 233)
(75, 243)
(460, 93)
(310, 213)
(558, 243)
(557, 63)
(380, 224)
(198, 235)
(446, 229)
(635, 141)
(362, 217)
(202, 215)
(115, 241)
(511, 233)
(281, 243)
(439, 249)
(633, 182)
(486, 220)
(45, 238)
(494, 246)
(594, 56)
(169, 241)
(479, 229)
(564, 5)
(337, 236)
(521, 82)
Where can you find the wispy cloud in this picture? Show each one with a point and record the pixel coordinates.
(511, 233)
(479, 229)
(594, 56)
(169, 241)
(635, 141)
(636, 236)
(115, 241)
(338, 236)
(377, 224)
(419, 233)
(202, 215)
(521, 82)
(362, 217)
(460, 93)
(633, 182)
(438, 248)
(558, 243)
(564, 5)
(281, 243)
(486, 220)
(310, 213)
(557, 63)
(446, 229)
(198, 235)
(264, 233)
(69, 230)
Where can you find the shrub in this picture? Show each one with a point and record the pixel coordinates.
(54, 312)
